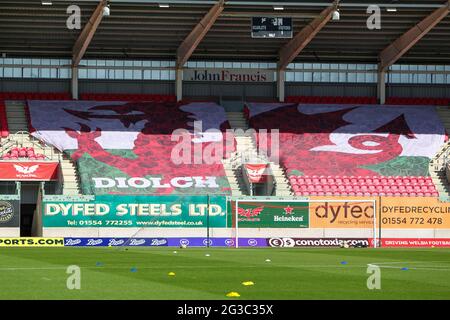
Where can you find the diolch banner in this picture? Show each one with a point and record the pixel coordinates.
(110, 211)
(272, 214)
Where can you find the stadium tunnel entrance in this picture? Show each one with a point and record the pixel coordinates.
(29, 196)
(30, 219)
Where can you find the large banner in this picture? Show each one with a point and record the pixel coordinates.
(9, 213)
(110, 211)
(139, 147)
(414, 213)
(26, 171)
(351, 140)
(272, 214)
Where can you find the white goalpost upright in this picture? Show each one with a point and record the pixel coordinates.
(375, 235)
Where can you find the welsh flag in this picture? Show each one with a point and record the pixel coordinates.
(131, 147)
(351, 140)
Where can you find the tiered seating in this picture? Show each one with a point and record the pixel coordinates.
(127, 97)
(331, 100)
(418, 101)
(4, 131)
(22, 154)
(352, 150)
(34, 96)
(363, 186)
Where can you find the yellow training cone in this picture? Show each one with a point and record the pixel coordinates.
(233, 294)
(248, 283)
(171, 274)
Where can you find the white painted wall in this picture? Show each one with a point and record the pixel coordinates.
(9, 232)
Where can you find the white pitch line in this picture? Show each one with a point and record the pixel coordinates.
(414, 267)
(387, 265)
(180, 266)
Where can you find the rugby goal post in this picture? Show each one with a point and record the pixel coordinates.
(311, 203)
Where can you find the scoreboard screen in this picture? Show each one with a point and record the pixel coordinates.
(271, 27)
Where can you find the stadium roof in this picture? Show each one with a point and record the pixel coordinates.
(141, 29)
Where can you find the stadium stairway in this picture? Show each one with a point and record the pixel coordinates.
(245, 151)
(19, 135)
(437, 164)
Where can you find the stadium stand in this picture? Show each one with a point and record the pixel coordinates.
(19, 138)
(437, 164)
(354, 150)
(246, 150)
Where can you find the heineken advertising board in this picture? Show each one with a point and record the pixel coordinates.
(110, 211)
(272, 214)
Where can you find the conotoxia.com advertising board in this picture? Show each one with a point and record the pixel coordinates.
(316, 242)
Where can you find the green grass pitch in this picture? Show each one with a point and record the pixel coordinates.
(107, 273)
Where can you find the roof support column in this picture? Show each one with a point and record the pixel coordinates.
(74, 83)
(83, 41)
(399, 47)
(381, 86)
(188, 46)
(281, 78)
(179, 84)
(293, 48)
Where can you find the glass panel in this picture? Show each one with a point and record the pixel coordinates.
(101, 74)
(351, 77)
(164, 74)
(64, 73)
(128, 75)
(119, 74)
(137, 74)
(307, 76)
(325, 77)
(290, 77)
(156, 75)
